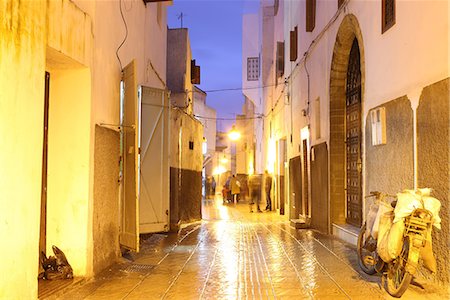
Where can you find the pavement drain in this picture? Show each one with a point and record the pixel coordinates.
(139, 268)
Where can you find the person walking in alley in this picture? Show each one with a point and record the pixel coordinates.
(235, 188)
(268, 187)
(254, 187)
(213, 187)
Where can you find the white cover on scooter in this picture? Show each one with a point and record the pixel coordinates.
(383, 208)
(409, 200)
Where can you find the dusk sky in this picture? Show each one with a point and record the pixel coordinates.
(215, 31)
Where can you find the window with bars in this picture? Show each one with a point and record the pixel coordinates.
(388, 14)
(252, 68)
(310, 15)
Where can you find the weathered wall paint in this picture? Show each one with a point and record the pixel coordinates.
(184, 129)
(22, 65)
(69, 30)
(105, 233)
(185, 168)
(389, 167)
(433, 133)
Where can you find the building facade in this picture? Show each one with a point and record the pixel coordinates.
(350, 91)
(186, 132)
(61, 112)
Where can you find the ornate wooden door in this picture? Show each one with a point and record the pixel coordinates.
(353, 137)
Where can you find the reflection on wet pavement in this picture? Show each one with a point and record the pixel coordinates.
(235, 254)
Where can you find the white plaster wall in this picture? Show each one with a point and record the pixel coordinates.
(250, 42)
(22, 61)
(146, 42)
(68, 166)
(207, 116)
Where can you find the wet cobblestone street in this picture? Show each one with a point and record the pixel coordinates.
(235, 254)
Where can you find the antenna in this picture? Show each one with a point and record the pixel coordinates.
(180, 17)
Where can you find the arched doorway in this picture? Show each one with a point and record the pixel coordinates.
(346, 102)
(353, 137)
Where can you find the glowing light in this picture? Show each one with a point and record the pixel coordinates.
(219, 170)
(224, 160)
(251, 169)
(234, 135)
(304, 133)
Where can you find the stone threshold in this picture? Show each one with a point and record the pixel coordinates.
(346, 232)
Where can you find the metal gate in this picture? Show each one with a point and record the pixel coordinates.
(154, 161)
(353, 137)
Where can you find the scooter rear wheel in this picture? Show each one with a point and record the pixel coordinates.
(398, 278)
(366, 259)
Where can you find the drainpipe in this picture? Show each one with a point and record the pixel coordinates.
(414, 98)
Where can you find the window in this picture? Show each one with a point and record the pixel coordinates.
(388, 14)
(310, 15)
(191, 145)
(378, 122)
(293, 44)
(280, 59)
(252, 68)
(195, 73)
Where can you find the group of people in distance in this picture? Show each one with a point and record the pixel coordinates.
(232, 189)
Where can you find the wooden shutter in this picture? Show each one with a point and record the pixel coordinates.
(280, 59)
(293, 44)
(310, 15)
(388, 14)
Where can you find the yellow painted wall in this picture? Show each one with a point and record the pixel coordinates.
(22, 61)
(68, 165)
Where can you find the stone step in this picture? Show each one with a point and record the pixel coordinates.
(300, 223)
(346, 232)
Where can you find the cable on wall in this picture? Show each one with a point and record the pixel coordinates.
(126, 35)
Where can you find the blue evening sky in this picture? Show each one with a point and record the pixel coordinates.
(215, 31)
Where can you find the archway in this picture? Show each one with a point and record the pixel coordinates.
(346, 137)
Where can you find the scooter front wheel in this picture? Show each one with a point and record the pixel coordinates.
(398, 278)
(367, 258)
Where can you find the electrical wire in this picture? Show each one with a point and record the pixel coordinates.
(237, 88)
(126, 35)
(229, 119)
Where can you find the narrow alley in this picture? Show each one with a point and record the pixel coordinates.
(235, 254)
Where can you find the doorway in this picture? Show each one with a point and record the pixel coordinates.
(43, 222)
(345, 131)
(353, 137)
(282, 155)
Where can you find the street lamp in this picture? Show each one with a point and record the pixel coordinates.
(234, 135)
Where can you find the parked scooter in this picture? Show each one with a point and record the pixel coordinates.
(396, 234)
